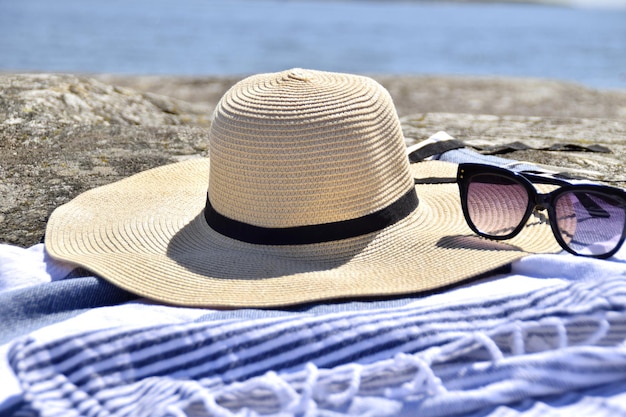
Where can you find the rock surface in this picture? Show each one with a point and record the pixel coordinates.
(429, 94)
(63, 134)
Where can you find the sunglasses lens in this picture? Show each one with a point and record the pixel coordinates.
(496, 205)
(590, 222)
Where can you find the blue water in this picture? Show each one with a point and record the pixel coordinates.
(217, 37)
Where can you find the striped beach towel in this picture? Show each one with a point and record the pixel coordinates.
(468, 352)
(547, 338)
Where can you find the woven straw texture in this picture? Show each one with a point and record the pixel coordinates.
(305, 147)
(287, 149)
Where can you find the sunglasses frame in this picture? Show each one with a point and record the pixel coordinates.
(536, 200)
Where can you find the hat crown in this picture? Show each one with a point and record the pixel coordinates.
(304, 147)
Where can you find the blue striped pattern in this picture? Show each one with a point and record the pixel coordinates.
(439, 360)
(559, 350)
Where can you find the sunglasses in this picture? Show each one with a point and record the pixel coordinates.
(586, 219)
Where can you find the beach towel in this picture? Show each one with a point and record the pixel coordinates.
(543, 337)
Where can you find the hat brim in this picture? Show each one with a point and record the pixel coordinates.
(147, 234)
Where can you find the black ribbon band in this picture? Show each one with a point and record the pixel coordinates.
(316, 233)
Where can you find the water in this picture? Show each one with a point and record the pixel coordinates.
(219, 37)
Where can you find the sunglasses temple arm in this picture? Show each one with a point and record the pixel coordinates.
(434, 180)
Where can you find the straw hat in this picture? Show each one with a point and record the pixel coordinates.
(310, 197)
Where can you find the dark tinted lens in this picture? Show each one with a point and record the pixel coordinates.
(496, 204)
(590, 222)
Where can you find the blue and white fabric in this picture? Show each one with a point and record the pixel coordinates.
(545, 338)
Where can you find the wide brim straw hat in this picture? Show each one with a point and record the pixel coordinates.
(307, 195)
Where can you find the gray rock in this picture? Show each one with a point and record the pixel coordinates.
(36, 102)
(429, 94)
(503, 96)
(61, 135)
(538, 133)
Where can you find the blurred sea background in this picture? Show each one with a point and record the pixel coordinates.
(579, 41)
